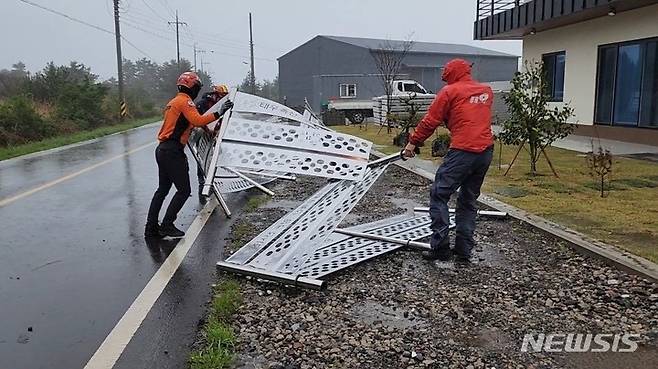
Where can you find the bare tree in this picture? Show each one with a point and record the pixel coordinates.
(388, 60)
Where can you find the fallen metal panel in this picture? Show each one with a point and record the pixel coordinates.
(286, 245)
(348, 251)
(306, 139)
(256, 246)
(290, 160)
(339, 203)
(246, 103)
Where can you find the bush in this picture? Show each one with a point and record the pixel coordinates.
(20, 122)
(441, 145)
(81, 103)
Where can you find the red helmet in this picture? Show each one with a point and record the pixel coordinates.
(188, 79)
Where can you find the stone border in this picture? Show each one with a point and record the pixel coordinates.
(578, 241)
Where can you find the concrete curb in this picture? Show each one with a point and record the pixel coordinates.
(578, 241)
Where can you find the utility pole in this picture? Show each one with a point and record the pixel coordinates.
(117, 34)
(251, 46)
(177, 23)
(198, 51)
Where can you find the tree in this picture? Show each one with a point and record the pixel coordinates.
(12, 82)
(600, 166)
(388, 59)
(532, 122)
(266, 88)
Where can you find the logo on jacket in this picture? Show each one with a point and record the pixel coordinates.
(482, 99)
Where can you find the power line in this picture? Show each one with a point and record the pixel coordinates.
(153, 11)
(84, 23)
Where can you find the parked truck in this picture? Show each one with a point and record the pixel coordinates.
(358, 110)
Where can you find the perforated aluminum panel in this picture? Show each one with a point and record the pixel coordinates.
(226, 181)
(254, 104)
(301, 138)
(291, 160)
(288, 243)
(346, 251)
(259, 243)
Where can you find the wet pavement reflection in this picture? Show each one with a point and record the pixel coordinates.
(73, 256)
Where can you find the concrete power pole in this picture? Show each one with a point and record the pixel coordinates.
(251, 46)
(177, 23)
(195, 69)
(117, 34)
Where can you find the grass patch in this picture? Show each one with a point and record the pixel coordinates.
(241, 232)
(57, 141)
(255, 202)
(635, 182)
(512, 191)
(626, 218)
(218, 339)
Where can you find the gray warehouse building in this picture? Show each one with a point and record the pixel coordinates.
(334, 67)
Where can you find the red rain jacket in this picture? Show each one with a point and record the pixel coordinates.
(464, 105)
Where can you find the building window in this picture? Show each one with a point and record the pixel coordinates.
(347, 90)
(627, 84)
(554, 69)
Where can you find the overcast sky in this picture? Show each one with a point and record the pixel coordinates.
(35, 36)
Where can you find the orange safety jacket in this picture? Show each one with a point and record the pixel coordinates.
(464, 106)
(180, 116)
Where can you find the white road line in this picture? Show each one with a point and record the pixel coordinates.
(9, 200)
(115, 343)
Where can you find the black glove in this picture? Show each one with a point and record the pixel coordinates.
(227, 105)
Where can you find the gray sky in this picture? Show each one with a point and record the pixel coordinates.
(35, 36)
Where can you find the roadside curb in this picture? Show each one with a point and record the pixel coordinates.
(578, 241)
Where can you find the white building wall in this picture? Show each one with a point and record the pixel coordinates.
(580, 42)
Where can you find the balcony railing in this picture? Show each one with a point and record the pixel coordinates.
(487, 8)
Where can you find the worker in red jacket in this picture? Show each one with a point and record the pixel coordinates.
(464, 106)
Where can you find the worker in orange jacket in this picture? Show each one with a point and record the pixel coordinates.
(464, 106)
(180, 116)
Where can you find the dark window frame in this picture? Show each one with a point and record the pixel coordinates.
(553, 75)
(643, 42)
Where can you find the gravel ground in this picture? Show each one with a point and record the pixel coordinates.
(401, 311)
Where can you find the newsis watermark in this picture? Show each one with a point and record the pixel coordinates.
(580, 342)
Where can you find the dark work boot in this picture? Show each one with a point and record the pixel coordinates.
(441, 253)
(462, 259)
(152, 230)
(170, 230)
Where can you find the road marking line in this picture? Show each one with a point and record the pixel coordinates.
(116, 342)
(9, 200)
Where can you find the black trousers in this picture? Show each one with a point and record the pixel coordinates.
(172, 169)
(466, 171)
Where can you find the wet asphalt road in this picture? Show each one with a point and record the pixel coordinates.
(73, 258)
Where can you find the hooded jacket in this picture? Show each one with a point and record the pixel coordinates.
(464, 106)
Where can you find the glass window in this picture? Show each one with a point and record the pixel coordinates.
(412, 87)
(558, 89)
(627, 87)
(627, 84)
(606, 84)
(649, 101)
(554, 65)
(348, 90)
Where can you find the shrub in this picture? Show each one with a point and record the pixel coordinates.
(20, 122)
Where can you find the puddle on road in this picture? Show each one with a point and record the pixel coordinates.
(491, 339)
(370, 312)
